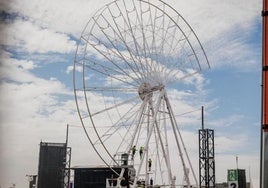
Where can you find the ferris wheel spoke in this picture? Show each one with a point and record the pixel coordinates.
(173, 37)
(101, 141)
(163, 35)
(121, 32)
(195, 39)
(135, 58)
(108, 89)
(130, 134)
(187, 63)
(191, 51)
(158, 33)
(144, 38)
(149, 45)
(178, 40)
(154, 53)
(128, 138)
(123, 78)
(120, 123)
(118, 53)
(107, 56)
(100, 67)
(186, 75)
(111, 89)
(114, 106)
(138, 48)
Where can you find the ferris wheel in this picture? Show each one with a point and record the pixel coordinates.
(130, 55)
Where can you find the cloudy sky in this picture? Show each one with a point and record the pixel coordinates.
(38, 43)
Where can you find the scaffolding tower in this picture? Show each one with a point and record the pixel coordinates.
(54, 164)
(206, 157)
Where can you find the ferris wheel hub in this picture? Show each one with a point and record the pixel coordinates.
(144, 90)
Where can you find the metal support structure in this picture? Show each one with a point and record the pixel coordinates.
(206, 157)
(67, 170)
(52, 162)
(151, 128)
(264, 119)
(32, 180)
(174, 124)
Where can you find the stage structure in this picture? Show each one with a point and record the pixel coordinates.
(54, 165)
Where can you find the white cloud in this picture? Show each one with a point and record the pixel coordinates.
(29, 37)
(215, 23)
(25, 88)
(62, 16)
(69, 16)
(69, 69)
(232, 51)
(223, 28)
(226, 122)
(16, 70)
(226, 144)
(211, 18)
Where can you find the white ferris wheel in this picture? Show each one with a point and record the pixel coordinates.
(131, 54)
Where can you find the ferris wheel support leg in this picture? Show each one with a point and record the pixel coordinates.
(175, 131)
(138, 125)
(151, 128)
(165, 153)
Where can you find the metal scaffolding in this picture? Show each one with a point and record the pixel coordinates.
(206, 158)
(67, 171)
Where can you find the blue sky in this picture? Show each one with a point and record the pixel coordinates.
(38, 42)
